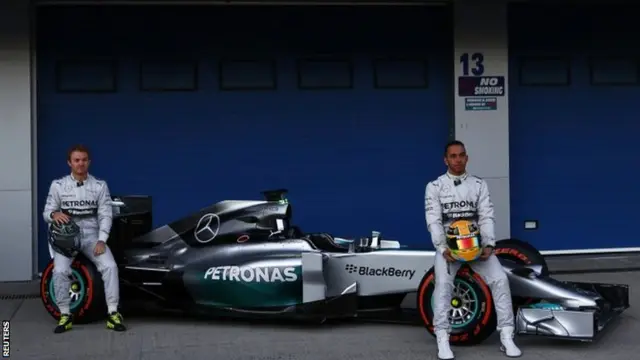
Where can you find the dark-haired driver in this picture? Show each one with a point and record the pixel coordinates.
(457, 195)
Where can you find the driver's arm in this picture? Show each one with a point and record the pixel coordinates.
(486, 218)
(105, 211)
(433, 213)
(53, 202)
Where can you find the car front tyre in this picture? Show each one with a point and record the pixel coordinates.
(472, 316)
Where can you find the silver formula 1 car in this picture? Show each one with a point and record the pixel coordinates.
(244, 258)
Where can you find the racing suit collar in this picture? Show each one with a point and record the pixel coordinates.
(77, 180)
(457, 177)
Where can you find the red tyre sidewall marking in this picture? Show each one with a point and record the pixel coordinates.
(515, 253)
(423, 290)
(44, 285)
(47, 277)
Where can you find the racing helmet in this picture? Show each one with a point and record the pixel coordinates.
(463, 239)
(65, 238)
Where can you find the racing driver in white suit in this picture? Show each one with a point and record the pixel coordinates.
(85, 200)
(454, 196)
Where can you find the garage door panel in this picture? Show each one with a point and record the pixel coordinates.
(253, 29)
(354, 159)
(569, 137)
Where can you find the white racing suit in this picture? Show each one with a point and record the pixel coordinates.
(451, 198)
(89, 205)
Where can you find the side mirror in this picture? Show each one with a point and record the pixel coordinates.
(376, 236)
(117, 205)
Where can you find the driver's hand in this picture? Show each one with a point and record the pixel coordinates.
(60, 217)
(100, 248)
(486, 252)
(447, 256)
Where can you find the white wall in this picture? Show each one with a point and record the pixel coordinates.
(16, 242)
(481, 27)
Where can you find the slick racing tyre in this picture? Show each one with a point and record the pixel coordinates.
(472, 316)
(86, 292)
(523, 253)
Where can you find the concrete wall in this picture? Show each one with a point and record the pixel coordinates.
(16, 150)
(482, 122)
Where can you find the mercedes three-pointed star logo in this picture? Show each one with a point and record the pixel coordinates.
(207, 228)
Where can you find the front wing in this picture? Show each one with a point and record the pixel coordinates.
(568, 310)
(583, 323)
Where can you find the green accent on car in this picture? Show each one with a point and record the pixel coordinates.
(545, 306)
(343, 242)
(246, 286)
(77, 292)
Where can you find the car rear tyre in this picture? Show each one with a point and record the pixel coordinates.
(87, 292)
(472, 316)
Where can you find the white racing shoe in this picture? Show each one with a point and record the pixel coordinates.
(508, 347)
(444, 350)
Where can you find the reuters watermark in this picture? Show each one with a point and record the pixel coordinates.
(6, 339)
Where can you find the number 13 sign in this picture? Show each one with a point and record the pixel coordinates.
(472, 63)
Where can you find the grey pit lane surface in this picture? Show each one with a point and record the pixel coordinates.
(177, 337)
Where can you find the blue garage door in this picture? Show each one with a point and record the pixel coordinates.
(348, 108)
(574, 125)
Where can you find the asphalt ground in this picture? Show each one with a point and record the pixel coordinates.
(151, 337)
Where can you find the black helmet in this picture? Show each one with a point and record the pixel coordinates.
(65, 238)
